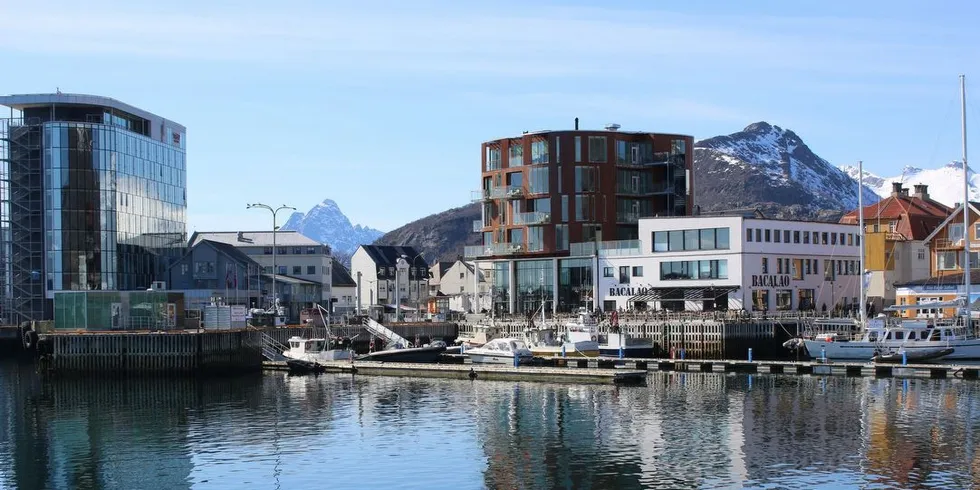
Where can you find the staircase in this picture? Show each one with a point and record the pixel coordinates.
(390, 337)
(272, 349)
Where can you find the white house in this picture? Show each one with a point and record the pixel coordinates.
(466, 286)
(344, 290)
(374, 269)
(733, 262)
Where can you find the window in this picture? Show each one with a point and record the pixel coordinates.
(297, 250)
(608, 271)
(535, 238)
(267, 250)
(297, 269)
(537, 180)
(622, 153)
(797, 270)
(806, 237)
(833, 239)
(784, 299)
(778, 237)
(828, 270)
(609, 305)
(823, 238)
(584, 206)
(758, 234)
(516, 155)
(702, 239)
(558, 150)
(796, 237)
(768, 236)
(539, 152)
(561, 237)
(779, 265)
(564, 210)
(694, 269)
(493, 158)
(624, 274)
(585, 179)
(461, 275)
(310, 270)
(310, 250)
(597, 149)
(638, 271)
(921, 254)
(785, 236)
(765, 265)
(281, 250)
(282, 270)
(691, 241)
(850, 239)
(976, 230)
(578, 148)
(748, 235)
(808, 269)
(760, 299)
(707, 239)
(805, 299)
(955, 232)
(946, 261)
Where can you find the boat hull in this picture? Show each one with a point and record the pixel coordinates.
(299, 366)
(556, 352)
(968, 349)
(918, 355)
(415, 354)
(507, 360)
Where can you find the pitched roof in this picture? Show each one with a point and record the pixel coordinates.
(917, 217)
(444, 267)
(291, 279)
(386, 255)
(284, 238)
(229, 251)
(340, 276)
(973, 207)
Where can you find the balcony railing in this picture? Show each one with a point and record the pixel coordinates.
(506, 192)
(632, 218)
(608, 248)
(480, 195)
(947, 243)
(492, 250)
(477, 225)
(533, 218)
(645, 190)
(654, 159)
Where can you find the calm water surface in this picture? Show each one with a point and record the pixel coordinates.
(339, 431)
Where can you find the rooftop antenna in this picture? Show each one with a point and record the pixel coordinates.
(58, 90)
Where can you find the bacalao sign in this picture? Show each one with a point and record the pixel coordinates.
(770, 281)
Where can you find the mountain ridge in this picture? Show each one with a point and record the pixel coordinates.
(326, 223)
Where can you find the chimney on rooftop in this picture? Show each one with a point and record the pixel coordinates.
(896, 189)
(576, 124)
(905, 192)
(922, 191)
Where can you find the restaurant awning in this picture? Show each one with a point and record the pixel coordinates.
(683, 294)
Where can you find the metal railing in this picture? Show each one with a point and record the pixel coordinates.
(271, 348)
(606, 248)
(391, 338)
(495, 249)
(477, 225)
(506, 192)
(661, 188)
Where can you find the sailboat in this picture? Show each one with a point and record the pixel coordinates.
(886, 340)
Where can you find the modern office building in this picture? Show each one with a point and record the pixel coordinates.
(93, 198)
(551, 194)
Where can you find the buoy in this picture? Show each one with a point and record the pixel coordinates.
(30, 339)
(472, 374)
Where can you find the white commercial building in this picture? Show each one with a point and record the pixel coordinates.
(732, 262)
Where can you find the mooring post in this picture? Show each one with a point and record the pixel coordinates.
(823, 354)
(750, 354)
(905, 358)
(563, 350)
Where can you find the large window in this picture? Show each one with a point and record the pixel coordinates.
(784, 299)
(694, 269)
(535, 238)
(564, 209)
(586, 179)
(516, 155)
(578, 149)
(946, 261)
(493, 158)
(955, 232)
(702, 239)
(597, 149)
(538, 180)
(760, 299)
(584, 207)
(539, 152)
(561, 237)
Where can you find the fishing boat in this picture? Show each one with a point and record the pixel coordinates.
(617, 340)
(579, 338)
(916, 338)
(501, 351)
(307, 355)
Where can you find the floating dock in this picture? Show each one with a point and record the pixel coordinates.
(481, 371)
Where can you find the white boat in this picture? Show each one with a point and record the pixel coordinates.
(481, 334)
(308, 354)
(579, 338)
(501, 351)
(617, 339)
(915, 337)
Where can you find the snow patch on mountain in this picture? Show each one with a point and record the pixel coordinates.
(326, 223)
(945, 183)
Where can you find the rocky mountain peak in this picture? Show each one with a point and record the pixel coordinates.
(326, 223)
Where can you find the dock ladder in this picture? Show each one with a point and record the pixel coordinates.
(391, 338)
(272, 349)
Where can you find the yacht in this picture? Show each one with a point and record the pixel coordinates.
(579, 338)
(919, 340)
(501, 351)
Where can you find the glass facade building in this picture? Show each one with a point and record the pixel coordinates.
(93, 198)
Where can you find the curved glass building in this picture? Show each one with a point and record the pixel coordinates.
(93, 196)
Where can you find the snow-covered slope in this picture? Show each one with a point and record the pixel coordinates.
(769, 167)
(327, 224)
(945, 183)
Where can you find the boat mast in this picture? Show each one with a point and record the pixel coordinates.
(966, 207)
(863, 301)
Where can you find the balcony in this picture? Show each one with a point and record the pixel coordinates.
(492, 250)
(655, 159)
(632, 218)
(477, 226)
(533, 218)
(506, 192)
(607, 248)
(945, 243)
(645, 190)
(480, 195)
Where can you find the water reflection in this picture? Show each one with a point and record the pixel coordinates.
(683, 430)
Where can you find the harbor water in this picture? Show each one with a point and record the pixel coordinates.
(682, 430)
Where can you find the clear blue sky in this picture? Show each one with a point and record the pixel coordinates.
(382, 106)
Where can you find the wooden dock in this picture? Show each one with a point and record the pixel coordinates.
(482, 371)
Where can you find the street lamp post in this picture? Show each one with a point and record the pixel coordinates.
(274, 211)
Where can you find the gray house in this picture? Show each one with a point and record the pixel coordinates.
(215, 271)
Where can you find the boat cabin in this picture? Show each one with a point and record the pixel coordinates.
(915, 332)
(299, 345)
(506, 345)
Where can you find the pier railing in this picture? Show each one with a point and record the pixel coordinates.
(271, 348)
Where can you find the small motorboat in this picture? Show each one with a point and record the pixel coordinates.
(501, 351)
(913, 355)
(426, 354)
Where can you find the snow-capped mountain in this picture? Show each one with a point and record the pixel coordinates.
(771, 168)
(325, 223)
(945, 183)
